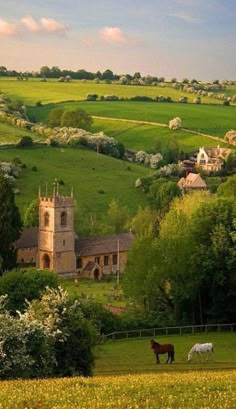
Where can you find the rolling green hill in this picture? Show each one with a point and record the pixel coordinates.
(97, 179)
(35, 90)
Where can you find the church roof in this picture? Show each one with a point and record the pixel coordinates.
(92, 246)
(29, 238)
(193, 180)
(88, 246)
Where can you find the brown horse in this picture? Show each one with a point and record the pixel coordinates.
(159, 349)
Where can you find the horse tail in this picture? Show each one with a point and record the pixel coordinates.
(173, 354)
(212, 348)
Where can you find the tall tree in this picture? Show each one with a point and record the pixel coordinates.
(10, 226)
(31, 218)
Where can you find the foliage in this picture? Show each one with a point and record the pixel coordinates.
(104, 321)
(228, 188)
(31, 218)
(10, 225)
(22, 285)
(77, 118)
(175, 123)
(161, 194)
(25, 142)
(54, 117)
(51, 338)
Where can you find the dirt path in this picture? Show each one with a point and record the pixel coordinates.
(164, 126)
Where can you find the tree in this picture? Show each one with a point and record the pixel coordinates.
(162, 193)
(45, 71)
(54, 117)
(25, 285)
(10, 226)
(25, 142)
(228, 188)
(31, 218)
(117, 217)
(76, 119)
(108, 75)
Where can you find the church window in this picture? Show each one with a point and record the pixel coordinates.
(79, 262)
(106, 260)
(114, 259)
(97, 260)
(46, 219)
(63, 219)
(46, 261)
(64, 242)
(22, 260)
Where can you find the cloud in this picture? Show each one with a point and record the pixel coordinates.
(113, 35)
(48, 25)
(52, 26)
(186, 17)
(30, 24)
(7, 29)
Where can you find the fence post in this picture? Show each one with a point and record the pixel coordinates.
(180, 331)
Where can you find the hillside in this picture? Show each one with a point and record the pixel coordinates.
(97, 179)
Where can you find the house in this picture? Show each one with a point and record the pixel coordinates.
(212, 159)
(55, 246)
(192, 182)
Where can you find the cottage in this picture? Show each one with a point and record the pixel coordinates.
(192, 182)
(212, 159)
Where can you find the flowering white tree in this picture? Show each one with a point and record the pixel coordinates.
(175, 123)
(230, 136)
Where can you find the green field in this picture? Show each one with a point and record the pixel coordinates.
(98, 291)
(208, 119)
(88, 172)
(53, 91)
(136, 356)
(11, 135)
(135, 382)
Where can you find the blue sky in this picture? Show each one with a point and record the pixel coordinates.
(171, 38)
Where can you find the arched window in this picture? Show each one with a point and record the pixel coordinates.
(46, 261)
(46, 219)
(63, 219)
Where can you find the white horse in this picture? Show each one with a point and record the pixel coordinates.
(200, 349)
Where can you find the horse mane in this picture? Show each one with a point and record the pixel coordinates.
(155, 343)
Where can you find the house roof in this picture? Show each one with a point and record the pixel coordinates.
(193, 180)
(92, 246)
(90, 266)
(29, 238)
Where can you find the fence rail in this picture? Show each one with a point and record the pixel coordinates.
(188, 329)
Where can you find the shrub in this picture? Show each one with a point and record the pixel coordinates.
(92, 97)
(175, 123)
(34, 168)
(25, 285)
(25, 142)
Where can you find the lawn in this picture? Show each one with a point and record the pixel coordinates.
(209, 119)
(35, 90)
(97, 179)
(98, 291)
(10, 134)
(135, 355)
(146, 137)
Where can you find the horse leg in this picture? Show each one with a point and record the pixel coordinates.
(157, 359)
(168, 357)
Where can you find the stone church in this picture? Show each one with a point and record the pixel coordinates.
(55, 245)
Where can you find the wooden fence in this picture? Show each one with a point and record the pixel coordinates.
(153, 332)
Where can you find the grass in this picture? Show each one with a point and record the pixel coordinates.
(11, 135)
(98, 291)
(135, 382)
(187, 390)
(135, 355)
(213, 120)
(88, 172)
(53, 91)
(148, 137)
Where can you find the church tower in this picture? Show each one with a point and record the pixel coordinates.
(56, 241)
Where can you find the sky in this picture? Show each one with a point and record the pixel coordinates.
(170, 38)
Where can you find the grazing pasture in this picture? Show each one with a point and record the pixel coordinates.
(35, 90)
(136, 355)
(126, 377)
(214, 120)
(11, 135)
(97, 179)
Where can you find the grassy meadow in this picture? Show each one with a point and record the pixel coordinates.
(97, 179)
(126, 377)
(136, 356)
(35, 90)
(11, 135)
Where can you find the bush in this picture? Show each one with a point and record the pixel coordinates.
(25, 285)
(25, 142)
(92, 97)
